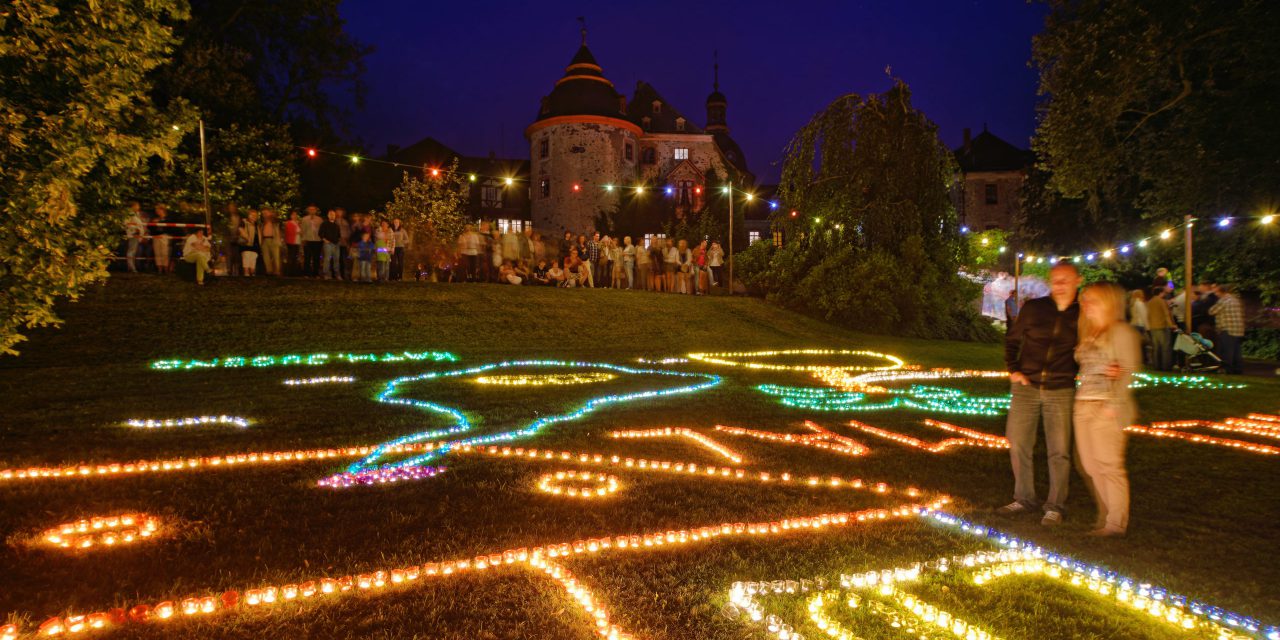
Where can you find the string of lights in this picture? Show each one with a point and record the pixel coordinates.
(682, 432)
(820, 439)
(1121, 249)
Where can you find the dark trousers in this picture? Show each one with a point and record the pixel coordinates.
(1228, 348)
(311, 258)
(472, 265)
(344, 261)
(291, 267)
(397, 264)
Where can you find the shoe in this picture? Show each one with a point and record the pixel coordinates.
(1051, 518)
(1106, 532)
(1014, 508)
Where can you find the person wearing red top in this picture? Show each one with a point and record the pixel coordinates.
(292, 243)
(699, 268)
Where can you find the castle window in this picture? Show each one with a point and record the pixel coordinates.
(490, 197)
(686, 193)
(753, 237)
(679, 124)
(648, 156)
(682, 153)
(657, 106)
(545, 186)
(650, 237)
(992, 194)
(631, 152)
(777, 238)
(544, 148)
(644, 122)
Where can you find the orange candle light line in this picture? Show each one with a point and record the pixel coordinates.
(683, 432)
(1175, 434)
(101, 531)
(271, 596)
(691, 469)
(200, 463)
(581, 484)
(972, 438)
(822, 438)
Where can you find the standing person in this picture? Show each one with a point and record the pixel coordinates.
(699, 268)
(1138, 314)
(385, 242)
(566, 244)
(311, 243)
(292, 243)
(250, 241)
(231, 240)
(686, 267)
(402, 243)
(135, 229)
(670, 265)
(1108, 352)
(644, 264)
(469, 246)
(1039, 355)
(330, 239)
(364, 252)
(197, 251)
(160, 239)
(527, 254)
(629, 261)
(617, 272)
(1160, 328)
(270, 243)
(344, 243)
(1011, 310)
(590, 280)
(495, 256)
(1229, 314)
(715, 260)
(594, 253)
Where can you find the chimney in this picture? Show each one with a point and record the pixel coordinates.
(968, 137)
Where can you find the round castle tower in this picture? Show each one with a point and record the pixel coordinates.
(580, 144)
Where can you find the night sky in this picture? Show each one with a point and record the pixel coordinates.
(471, 74)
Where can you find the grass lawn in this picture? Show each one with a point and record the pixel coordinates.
(1204, 518)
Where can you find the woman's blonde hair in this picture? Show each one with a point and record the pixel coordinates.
(1107, 293)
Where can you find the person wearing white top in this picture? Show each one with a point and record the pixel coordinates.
(134, 229)
(715, 260)
(670, 264)
(629, 261)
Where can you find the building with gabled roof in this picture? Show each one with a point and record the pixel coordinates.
(988, 194)
(590, 146)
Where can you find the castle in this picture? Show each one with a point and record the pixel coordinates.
(589, 146)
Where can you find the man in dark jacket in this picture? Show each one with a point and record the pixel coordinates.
(1039, 353)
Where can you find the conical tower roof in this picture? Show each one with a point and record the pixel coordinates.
(583, 91)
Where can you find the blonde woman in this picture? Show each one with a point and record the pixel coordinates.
(686, 273)
(1109, 352)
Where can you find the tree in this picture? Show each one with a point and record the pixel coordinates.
(876, 242)
(1157, 110)
(433, 208)
(253, 165)
(78, 125)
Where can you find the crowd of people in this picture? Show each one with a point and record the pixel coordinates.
(365, 248)
(526, 258)
(1217, 315)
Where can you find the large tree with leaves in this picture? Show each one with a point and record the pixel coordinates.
(875, 243)
(1154, 111)
(434, 208)
(77, 123)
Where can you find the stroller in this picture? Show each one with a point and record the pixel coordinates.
(1197, 353)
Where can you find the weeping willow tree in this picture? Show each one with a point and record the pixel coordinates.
(873, 242)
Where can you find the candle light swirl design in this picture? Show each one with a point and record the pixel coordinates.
(735, 359)
(971, 437)
(1249, 426)
(682, 432)
(593, 485)
(298, 382)
(540, 558)
(187, 422)
(821, 439)
(558, 379)
(101, 531)
(294, 359)
(879, 592)
(461, 423)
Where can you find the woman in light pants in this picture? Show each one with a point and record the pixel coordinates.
(1109, 351)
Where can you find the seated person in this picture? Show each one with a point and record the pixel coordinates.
(555, 275)
(507, 274)
(421, 273)
(571, 269)
(539, 274)
(197, 250)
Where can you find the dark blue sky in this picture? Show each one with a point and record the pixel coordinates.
(471, 74)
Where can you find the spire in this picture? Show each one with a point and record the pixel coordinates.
(715, 85)
(582, 20)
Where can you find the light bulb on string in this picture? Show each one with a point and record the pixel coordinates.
(435, 173)
(1223, 223)
(311, 153)
(669, 190)
(472, 177)
(510, 181)
(1166, 234)
(608, 187)
(355, 159)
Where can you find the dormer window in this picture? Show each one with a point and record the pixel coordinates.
(657, 106)
(644, 122)
(679, 124)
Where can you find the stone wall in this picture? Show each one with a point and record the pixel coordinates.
(590, 155)
(980, 216)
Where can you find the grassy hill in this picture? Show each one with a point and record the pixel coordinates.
(1197, 511)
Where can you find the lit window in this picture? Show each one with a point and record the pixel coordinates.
(753, 237)
(992, 194)
(650, 237)
(504, 225)
(777, 238)
(682, 153)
